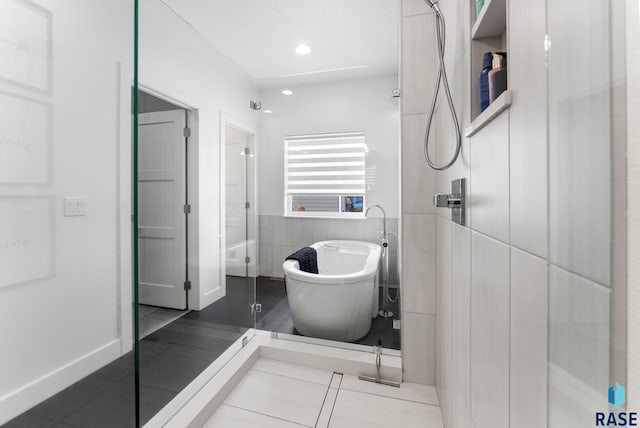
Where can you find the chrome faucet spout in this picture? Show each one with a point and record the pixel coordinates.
(384, 219)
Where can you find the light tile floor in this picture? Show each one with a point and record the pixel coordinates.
(277, 394)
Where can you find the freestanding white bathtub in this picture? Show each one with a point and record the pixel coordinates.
(339, 302)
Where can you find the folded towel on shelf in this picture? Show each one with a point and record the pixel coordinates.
(307, 257)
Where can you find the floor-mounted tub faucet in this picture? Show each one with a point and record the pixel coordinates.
(385, 312)
(384, 219)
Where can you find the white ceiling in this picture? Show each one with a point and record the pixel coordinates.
(261, 36)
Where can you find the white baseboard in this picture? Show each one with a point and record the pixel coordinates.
(22, 399)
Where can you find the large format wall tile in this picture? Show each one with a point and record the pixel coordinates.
(414, 7)
(461, 320)
(489, 203)
(579, 349)
(580, 180)
(579, 346)
(489, 332)
(418, 264)
(418, 353)
(580, 133)
(444, 257)
(418, 63)
(528, 343)
(417, 177)
(303, 232)
(528, 126)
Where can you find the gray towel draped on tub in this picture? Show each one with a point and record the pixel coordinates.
(307, 257)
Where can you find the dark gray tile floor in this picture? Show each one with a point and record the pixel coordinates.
(171, 357)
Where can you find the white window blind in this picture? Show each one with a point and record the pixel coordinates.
(321, 170)
(325, 164)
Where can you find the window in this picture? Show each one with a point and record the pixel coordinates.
(325, 175)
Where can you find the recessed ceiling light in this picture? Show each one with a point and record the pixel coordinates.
(267, 111)
(303, 49)
(287, 92)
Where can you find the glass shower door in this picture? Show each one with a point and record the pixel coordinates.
(65, 246)
(187, 242)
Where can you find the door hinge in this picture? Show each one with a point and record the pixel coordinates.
(255, 307)
(187, 285)
(245, 340)
(186, 132)
(247, 205)
(187, 209)
(247, 259)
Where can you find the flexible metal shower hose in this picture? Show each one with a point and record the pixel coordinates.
(442, 77)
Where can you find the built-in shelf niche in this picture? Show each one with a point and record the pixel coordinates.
(488, 34)
(495, 108)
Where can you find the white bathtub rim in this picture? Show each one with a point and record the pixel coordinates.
(369, 270)
(294, 272)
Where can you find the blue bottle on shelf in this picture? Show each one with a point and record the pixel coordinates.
(483, 81)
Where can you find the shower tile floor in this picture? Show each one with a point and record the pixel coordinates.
(282, 395)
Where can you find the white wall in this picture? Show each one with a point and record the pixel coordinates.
(57, 329)
(347, 105)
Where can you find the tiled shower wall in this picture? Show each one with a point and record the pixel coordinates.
(418, 185)
(535, 252)
(280, 236)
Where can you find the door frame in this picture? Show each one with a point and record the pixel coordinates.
(167, 92)
(225, 122)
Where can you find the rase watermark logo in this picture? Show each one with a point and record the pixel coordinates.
(616, 396)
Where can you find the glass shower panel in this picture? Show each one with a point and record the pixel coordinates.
(65, 246)
(586, 287)
(338, 133)
(195, 159)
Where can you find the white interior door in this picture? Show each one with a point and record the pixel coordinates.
(162, 220)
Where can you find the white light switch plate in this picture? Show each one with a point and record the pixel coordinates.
(75, 206)
(396, 324)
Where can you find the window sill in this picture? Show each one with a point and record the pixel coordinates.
(329, 216)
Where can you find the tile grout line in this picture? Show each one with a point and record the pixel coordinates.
(324, 400)
(264, 414)
(290, 377)
(393, 398)
(335, 401)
